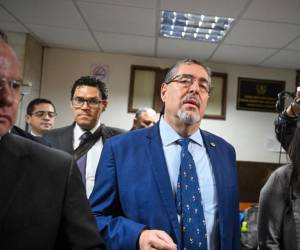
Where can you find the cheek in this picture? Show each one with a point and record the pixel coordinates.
(204, 103)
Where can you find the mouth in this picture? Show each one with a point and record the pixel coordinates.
(5, 118)
(192, 102)
(46, 124)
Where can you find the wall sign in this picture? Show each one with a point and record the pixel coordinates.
(258, 94)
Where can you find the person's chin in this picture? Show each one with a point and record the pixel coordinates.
(85, 125)
(4, 128)
(189, 117)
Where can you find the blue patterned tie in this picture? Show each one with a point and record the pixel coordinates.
(81, 162)
(189, 202)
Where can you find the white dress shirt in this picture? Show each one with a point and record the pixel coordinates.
(204, 172)
(93, 157)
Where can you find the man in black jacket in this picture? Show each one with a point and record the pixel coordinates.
(286, 122)
(43, 203)
(88, 101)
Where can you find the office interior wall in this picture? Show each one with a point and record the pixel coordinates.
(30, 55)
(251, 133)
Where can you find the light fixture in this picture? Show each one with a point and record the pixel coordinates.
(190, 26)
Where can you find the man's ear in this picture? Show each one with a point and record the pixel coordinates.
(104, 104)
(163, 90)
(135, 121)
(27, 119)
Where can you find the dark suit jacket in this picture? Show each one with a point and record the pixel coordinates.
(133, 190)
(43, 201)
(62, 138)
(18, 131)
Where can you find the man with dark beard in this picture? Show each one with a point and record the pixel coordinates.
(173, 185)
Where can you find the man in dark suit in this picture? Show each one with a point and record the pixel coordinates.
(43, 203)
(88, 101)
(173, 185)
(40, 116)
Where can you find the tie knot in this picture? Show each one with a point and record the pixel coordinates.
(184, 142)
(84, 137)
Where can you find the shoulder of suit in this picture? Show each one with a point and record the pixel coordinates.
(112, 130)
(25, 146)
(58, 131)
(212, 138)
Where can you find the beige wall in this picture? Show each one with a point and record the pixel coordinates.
(30, 55)
(247, 131)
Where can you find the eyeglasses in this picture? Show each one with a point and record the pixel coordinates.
(17, 86)
(41, 114)
(91, 102)
(187, 81)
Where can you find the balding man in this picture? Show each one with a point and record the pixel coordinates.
(42, 197)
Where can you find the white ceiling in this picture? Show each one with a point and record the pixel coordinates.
(265, 33)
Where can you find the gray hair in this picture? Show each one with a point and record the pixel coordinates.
(188, 61)
(144, 109)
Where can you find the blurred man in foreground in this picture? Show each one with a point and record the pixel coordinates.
(43, 203)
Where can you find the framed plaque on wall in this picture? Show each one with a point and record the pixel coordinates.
(258, 94)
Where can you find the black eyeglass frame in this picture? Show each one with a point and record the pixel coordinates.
(177, 78)
(42, 113)
(91, 102)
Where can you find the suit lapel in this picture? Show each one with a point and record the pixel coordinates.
(12, 171)
(161, 175)
(213, 149)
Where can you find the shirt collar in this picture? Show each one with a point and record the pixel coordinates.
(79, 131)
(169, 135)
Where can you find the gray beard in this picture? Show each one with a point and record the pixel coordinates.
(187, 118)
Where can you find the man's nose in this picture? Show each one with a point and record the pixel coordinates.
(85, 105)
(195, 86)
(7, 96)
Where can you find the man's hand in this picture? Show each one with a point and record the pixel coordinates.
(156, 239)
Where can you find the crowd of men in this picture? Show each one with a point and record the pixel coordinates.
(166, 184)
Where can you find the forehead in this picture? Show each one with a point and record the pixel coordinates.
(9, 66)
(147, 116)
(87, 91)
(192, 69)
(43, 107)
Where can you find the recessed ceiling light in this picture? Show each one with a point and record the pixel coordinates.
(190, 26)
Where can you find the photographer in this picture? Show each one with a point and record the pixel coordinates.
(286, 122)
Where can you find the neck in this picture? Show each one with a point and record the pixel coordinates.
(35, 133)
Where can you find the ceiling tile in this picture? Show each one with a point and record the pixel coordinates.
(241, 55)
(119, 19)
(60, 13)
(262, 34)
(64, 38)
(229, 8)
(275, 10)
(117, 43)
(147, 4)
(12, 26)
(295, 45)
(4, 16)
(284, 59)
(183, 48)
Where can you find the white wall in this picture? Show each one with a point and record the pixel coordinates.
(247, 131)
